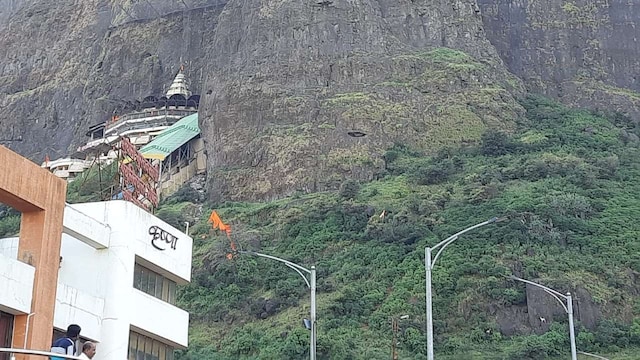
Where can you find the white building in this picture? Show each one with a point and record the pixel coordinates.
(119, 268)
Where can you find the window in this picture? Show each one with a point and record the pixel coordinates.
(145, 348)
(6, 331)
(57, 334)
(154, 284)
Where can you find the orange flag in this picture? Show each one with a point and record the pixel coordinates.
(217, 223)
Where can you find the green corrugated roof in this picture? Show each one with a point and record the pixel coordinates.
(172, 138)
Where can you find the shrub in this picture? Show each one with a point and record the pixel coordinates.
(634, 332)
(571, 205)
(553, 343)
(436, 171)
(185, 194)
(495, 143)
(349, 189)
(94, 184)
(173, 215)
(610, 333)
(9, 225)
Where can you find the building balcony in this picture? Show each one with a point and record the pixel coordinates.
(16, 282)
(150, 315)
(146, 119)
(72, 165)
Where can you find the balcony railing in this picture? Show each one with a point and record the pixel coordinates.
(143, 119)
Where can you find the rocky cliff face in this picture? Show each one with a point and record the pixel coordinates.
(584, 52)
(285, 82)
(69, 64)
(291, 82)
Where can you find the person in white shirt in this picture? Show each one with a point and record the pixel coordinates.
(88, 350)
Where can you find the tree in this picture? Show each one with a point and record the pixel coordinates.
(495, 143)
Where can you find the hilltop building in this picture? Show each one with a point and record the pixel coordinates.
(179, 153)
(152, 118)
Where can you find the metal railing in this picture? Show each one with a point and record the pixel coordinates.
(154, 116)
(13, 351)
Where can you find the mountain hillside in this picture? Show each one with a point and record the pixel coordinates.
(567, 183)
(350, 134)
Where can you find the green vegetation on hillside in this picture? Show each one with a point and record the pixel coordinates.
(569, 182)
(95, 184)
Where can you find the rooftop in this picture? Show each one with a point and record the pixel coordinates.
(172, 138)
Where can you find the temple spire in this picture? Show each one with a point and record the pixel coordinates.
(179, 85)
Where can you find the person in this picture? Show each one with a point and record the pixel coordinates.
(66, 345)
(88, 350)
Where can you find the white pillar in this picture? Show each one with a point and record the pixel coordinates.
(118, 282)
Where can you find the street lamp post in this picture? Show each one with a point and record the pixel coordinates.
(311, 283)
(395, 327)
(567, 308)
(428, 265)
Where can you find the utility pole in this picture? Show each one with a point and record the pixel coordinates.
(394, 329)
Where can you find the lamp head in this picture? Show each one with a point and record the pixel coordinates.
(306, 323)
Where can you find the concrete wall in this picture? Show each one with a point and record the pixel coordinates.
(74, 306)
(85, 228)
(16, 285)
(172, 183)
(197, 165)
(130, 227)
(201, 158)
(9, 247)
(16, 279)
